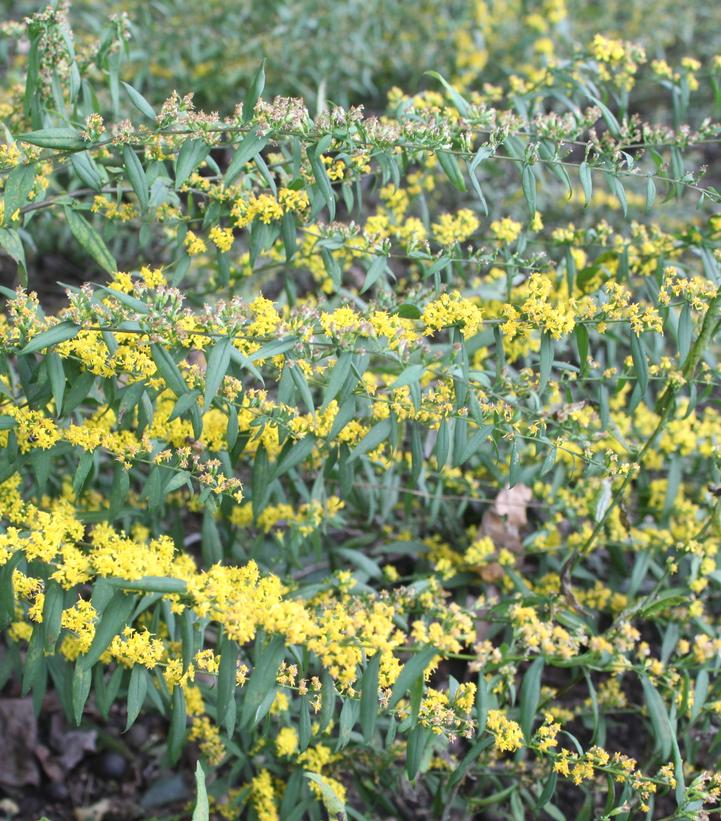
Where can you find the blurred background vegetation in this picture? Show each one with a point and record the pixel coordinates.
(354, 52)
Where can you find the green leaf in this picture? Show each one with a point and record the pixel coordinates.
(202, 808)
(514, 468)
(662, 732)
(418, 739)
(459, 102)
(528, 183)
(327, 704)
(546, 795)
(7, 592)
(699, 694)
(473, 444)
(650, 192)
(137, 689)
(452, 170)
(346, 721)
(177, 730)
(640, 363)
(483, 153)
(580, 333)
(619, 192)
(130, 301)
(305, 728)
(168, 369)
(82, 679)
(262, 680)
(546, 360)
(53, 336)
(377, 434)
(252, 95)
(530, 695)
(411, 672)
(18, 185)
(218, 362)
(361, 561)
(409, 375)
(460, 771)
(58, 138)
(192, 153)
(151, 584)
(336, 808)
(226, 681)
(685, 333)
(604, 500)
(271, 349)
(408, 311)
(249, 148)
(10, 241)
(136, 175)
(52, 614)
(369, 698)
(611, 121)
(137, 99)
(584, 173)
(90, 240)
(87, 170)
(376, 269)
(301, 383)
(321, 178)
(115, 616)
(56, 375)
(298, 453)
(338, 375)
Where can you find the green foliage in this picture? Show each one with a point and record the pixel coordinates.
(376, 450)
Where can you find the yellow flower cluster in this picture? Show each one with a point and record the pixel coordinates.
(458, 227)
(452, 309)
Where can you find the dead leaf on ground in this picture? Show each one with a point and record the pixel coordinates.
(70, 745)
(19, 731)
(512, 502)
(95, 812)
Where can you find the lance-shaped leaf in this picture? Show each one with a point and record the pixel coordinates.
(53, 336)
(168, 369)
(410, 673)
(136, 175)
(90, 240)
(226, 682)
(250, 146)
(137, 689)
(218, 361)
(192, 153)
(137, 99)
(19, 184)
(315, 155)
(262, 680)
(57, 138)
(530, 695)
(115, 616)
(252, 95)
(377, 434)
(369, 698)
(452, 170)
(202, 807)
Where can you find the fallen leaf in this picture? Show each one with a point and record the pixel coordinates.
(512, 502)
(95, 812)
(70, 745)
(18, 730)
(502, 532)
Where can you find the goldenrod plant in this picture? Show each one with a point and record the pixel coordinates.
(375, 447)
